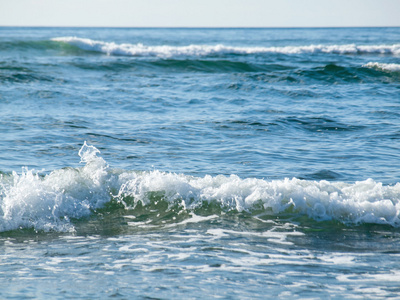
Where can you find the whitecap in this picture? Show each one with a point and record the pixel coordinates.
(30, 200)
(126, 49)
(383, 66)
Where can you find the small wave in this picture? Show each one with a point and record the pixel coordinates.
(28, 200)
(319, 124)
(125, 49)
(53, 201)
(179, 65)
(383, 66)
(38, 45)
(24, 77)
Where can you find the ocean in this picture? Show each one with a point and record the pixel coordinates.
(199, 163)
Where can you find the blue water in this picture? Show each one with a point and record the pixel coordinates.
(199, 163)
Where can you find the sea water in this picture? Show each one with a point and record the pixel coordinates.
(160, 163)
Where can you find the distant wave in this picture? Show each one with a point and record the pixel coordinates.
(50, 202)
(126, 49)
(382, 66)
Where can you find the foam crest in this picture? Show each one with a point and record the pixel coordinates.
(383, 66)
(362, 202)
(28, 200)
(53, 201)
(139, 49)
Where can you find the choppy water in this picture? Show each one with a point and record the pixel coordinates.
(199, 163)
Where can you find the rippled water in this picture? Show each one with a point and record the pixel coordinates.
(199, 163)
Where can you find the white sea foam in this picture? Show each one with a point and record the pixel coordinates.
(383, 66)
(362, 202)
(28, 200)
(125, 49)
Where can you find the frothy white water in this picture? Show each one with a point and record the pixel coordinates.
(126, 49)
(362, 202)
(49, 202)
(384, 67)
(28, 200)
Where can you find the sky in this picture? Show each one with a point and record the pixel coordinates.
(200, 13)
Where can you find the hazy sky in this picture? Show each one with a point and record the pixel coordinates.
(200, 13)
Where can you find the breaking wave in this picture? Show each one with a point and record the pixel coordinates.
(126, 49)
(383, 66)
(52, 202)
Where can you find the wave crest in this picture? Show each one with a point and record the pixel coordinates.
(361, 202)
(51, 202)
(167, 51)
(28, 200)
(383, 66)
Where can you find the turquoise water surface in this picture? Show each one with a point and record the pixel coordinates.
(199, 163)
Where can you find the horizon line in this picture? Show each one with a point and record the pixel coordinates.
(199, 27)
